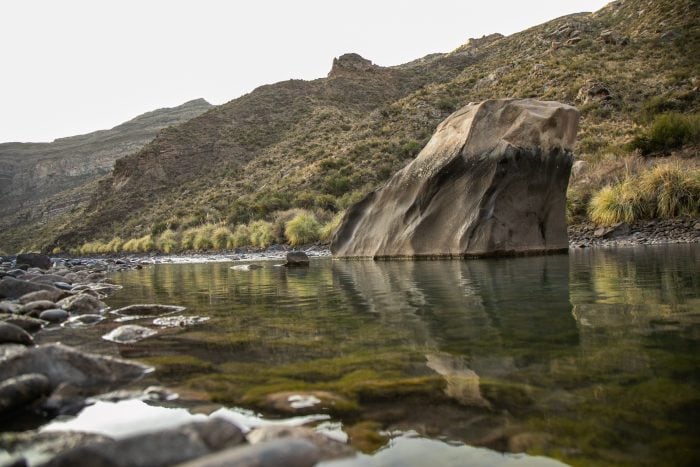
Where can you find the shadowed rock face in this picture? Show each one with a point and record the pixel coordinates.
(492, 180)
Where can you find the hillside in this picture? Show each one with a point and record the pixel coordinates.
(40, 181)
(320, 145)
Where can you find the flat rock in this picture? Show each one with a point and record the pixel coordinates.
(34, 260)
(281, 452)
(151, 309)
(62, 364)
(14, 288)
(50, 295)
(82, 304)
(12, 334)
(83, 320)
(129, 334)
(162, 448)
(491, 181)
(19, 391)
(27, 323)
(36, 306)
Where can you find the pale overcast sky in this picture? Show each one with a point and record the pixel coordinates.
(73, 66)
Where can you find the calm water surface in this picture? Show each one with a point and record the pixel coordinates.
(590, 358)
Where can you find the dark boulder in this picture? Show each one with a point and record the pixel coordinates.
(62, 364)
(297, 258)
(12, 334)
(162, 448)
(14, 288)
(492, 180)
(27, 323)
(54, 315)
(17, 392)
(34, 260)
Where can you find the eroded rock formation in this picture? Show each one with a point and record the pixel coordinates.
(492, 180)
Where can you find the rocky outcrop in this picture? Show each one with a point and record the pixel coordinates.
(349, 64)
(492, 180)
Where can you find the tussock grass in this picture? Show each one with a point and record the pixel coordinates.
(261, 234)
(616, 203)
(167, 242)
(240, 237)
(329, 228)
(221, 237)
(303, 229)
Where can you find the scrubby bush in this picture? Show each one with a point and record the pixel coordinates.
(672, 190)
(240, 237)
(261, 234)
(203, 238)
(304, 228)
(329, 228)
(616, 203)
(187, 239)
(669, 131)
(221, 237)
(167, 242)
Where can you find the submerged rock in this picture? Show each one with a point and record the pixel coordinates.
(62, 364)
(128, 334)
(492, 180)
(328, 448)
(151, 309)
(83, 320)
(246, 267)
(287, 452)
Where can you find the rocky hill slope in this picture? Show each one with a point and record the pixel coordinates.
(322, 144)
(39, 181)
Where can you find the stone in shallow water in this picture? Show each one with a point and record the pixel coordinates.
(50, 295)
(36, 307)
(150, 309)
(246, 267)
(280, 452)
(297, 258)
(328, 448)
(27, 323)
(129, 334)
(179, 321)
(56, 315)
(35, 260)
(83, 320)
(14, 288)
(82, 304)
(492, 180)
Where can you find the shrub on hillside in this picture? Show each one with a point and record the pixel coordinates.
(221, 237)
(187, 239)
(261, 233)
(672, 190)
(329, 228)
(167, 242)
(203, 238)
(240, 237)
(669, 131)
(303, 229)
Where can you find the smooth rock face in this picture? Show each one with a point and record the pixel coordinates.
(492, 180)
(62, 364)
(54, 315)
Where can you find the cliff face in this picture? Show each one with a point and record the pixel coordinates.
(41, 180)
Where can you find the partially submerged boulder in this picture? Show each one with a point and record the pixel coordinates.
(492, 180)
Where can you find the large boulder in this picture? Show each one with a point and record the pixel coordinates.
(34, 260)
(492, 180)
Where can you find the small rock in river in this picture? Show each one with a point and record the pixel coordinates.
(54, 315)
(297, 258)
(287, 452)
(179, 321)
(14, 288)
(329, 448)
(246, 267)
(82, 304)
(83, 320)
(36, 307)
(52, 296)
(27, 323)
(148, 310)
(128, 334)
(11, 334)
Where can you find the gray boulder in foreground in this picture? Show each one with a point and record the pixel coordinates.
(492, 180)
(62, 364)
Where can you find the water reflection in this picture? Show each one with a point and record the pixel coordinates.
(590, 357)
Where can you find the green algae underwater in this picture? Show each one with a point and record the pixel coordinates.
(590, 358)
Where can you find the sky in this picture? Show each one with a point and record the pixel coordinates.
(70, 67)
